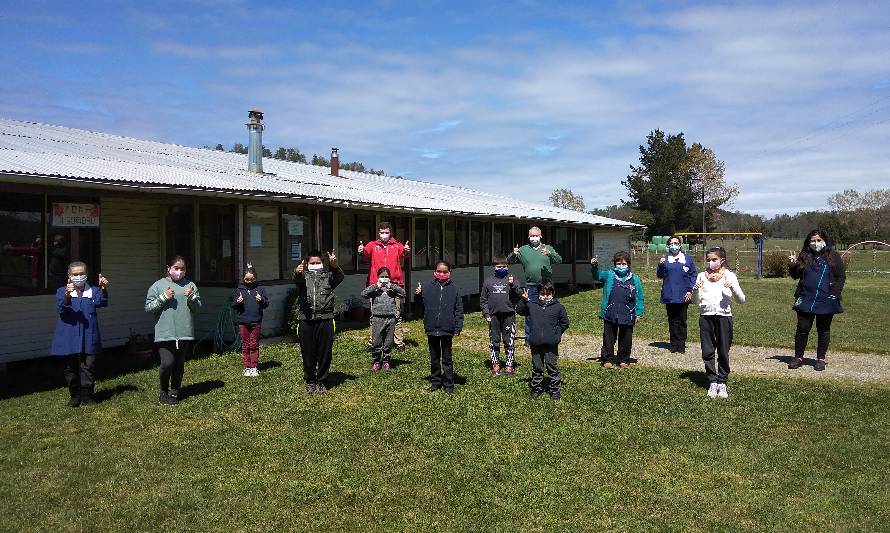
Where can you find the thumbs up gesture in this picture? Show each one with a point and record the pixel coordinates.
(510, 279)
(525, 294)
(103, 282)
(240, 298)
(361, 247)
(594, 260)
(419, 288)
(407, 246)
(259, 297)
(792, 258)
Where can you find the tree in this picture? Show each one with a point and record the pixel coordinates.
(566, 199)
(294, 156)
(707, 175)
(660, 185)
(280, 153)
(320, 161)
(267, 152)
(220, 148)
(239, 148)
(868, 212)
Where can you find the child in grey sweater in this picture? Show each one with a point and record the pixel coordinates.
(383, 296)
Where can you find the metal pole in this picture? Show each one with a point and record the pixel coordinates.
(704, 227)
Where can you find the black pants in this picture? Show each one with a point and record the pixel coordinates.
(544, 357)
(716, 336)
(173, 364)
(677, 324)
(80, 371)
(317, 349)
(804, 325)
(624, 334)
(502, 326)
(441, 364)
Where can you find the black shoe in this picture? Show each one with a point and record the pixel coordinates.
(681, 350)
(310, 388)
(86, 396)
(820, 365)
(320, 388)
(536, 394)
(434, 388)
(163, 398)
(796, 363)
(75, 399)
(449, 390)
(555, 395)
(173, 398)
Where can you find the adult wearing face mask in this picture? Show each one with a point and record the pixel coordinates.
(174, 300)
(821, 274)
(387, 252)
(535, 258)
(77, 336)
(678, 273)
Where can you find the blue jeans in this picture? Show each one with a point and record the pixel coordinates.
(532, 296)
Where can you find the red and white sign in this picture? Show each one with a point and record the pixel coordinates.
(67, 215)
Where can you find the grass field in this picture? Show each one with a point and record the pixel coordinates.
(630, 450)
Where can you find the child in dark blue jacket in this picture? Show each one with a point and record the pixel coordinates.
(678, 272)
(549, 321)
(249, 302)
(621, 308)
(443, 319)
(77, 336)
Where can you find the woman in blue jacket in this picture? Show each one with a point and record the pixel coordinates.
(77, 336)
(822, 274)
(678, 272)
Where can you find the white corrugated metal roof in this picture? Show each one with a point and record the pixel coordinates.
(59, 152)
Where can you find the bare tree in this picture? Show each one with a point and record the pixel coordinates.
(566, 199)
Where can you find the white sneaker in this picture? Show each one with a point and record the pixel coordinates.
(245, 372)
(254, 372)
(712, 390)
(722, 392)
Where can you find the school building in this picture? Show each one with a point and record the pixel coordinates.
(125, 205)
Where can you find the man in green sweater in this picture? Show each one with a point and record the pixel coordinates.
(535, 258)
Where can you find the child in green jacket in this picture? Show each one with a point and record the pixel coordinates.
(173, 299)
(621, 308)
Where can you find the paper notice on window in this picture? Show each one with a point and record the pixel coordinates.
(296, 251)
(256, 236)
(295, 227)
(226, 248)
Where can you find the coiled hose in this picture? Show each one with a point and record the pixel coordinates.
(225, 325)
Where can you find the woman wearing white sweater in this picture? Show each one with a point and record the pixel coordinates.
(716, 287)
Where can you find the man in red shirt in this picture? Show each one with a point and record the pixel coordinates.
(387, 252)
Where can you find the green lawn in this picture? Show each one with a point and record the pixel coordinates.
(765, 319)
(630, 450)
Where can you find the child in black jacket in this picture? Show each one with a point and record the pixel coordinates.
(249, 302)
(443, 319)
(498, 302)
(549, 321)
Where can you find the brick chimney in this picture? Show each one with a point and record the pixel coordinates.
(335, 162)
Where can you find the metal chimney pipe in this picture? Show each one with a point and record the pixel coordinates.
(255, 127)
(335, 162)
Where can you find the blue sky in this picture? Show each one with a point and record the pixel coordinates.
(516, 97)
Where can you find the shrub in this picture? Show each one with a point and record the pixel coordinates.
(775, 265)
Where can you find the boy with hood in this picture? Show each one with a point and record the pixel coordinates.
(549, 321)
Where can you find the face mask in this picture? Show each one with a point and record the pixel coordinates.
(817, 246)
(79, 281)
(175, 275)
(534, 240)
(621, 270)
(501, 272)
(384, 237)
(442, 276)
(314, 267)
(714, 264)
(250, 283)
(383, 280)
(674, 248)
(546, 299)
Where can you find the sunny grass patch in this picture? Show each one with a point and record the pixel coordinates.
(639, 449)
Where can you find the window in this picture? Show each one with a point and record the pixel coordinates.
(448, 249)
(179, 233)
(561, 240)
(346, 242)
(460, 242)
(421, 246)
(326, 230)
(72, 235)
(21, 234)
(503, 239)
(366, 231)
(219, 245)
(582, 245)
(435, 243)
(475, 241)
(296, 239)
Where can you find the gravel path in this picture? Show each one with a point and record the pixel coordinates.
(752, 360)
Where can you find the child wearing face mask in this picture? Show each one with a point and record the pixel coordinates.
(387, 252)
(549, 322)
(315, 304)
(249, 302)
(716, 288)
(174, 300)
(621, 308)
(443, 319)
(77, 336)
(384, 296)
(498, 302)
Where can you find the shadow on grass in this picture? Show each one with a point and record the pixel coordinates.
(335, 379)
(787, 359)
(107, 394)
(201, 388)
(660, 344)
(697, 377)
(266, 365)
